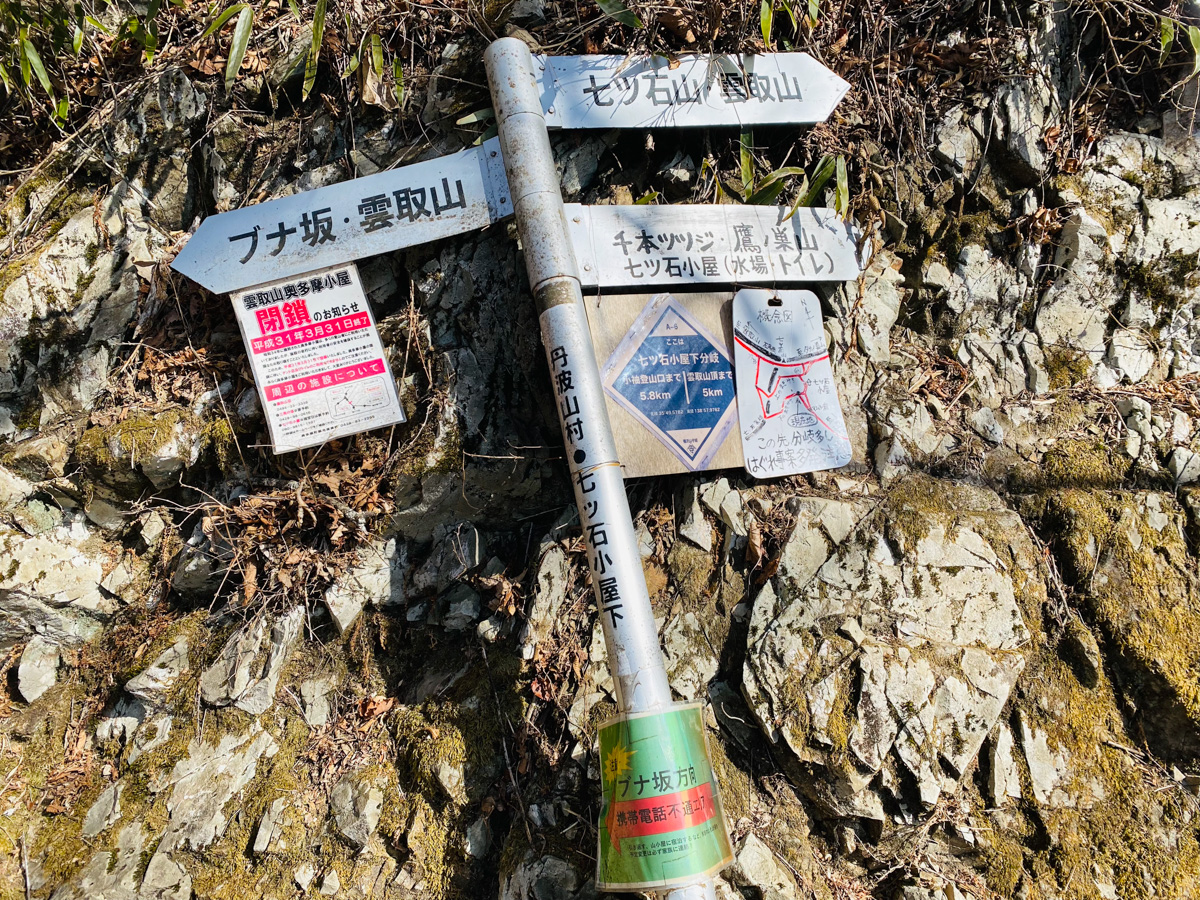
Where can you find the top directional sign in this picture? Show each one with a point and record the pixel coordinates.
(690, 91)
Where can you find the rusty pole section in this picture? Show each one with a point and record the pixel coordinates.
(619, 583)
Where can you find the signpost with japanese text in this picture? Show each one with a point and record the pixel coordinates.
(686, 91)
(667, 366)
(663, 246)
(322, 373)
(344, 222)
(791, 421)
(317, 358)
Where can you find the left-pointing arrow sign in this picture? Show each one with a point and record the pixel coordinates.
(343, 222)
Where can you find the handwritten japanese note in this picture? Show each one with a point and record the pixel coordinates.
(317, 358)
(791, 421)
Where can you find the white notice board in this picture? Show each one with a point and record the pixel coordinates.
(317, 358)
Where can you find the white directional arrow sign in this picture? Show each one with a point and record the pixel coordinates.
(464, 191)
(688, 92)
(672, 246)
(343, 222)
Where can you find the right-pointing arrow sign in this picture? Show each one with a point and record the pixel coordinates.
(691, 91)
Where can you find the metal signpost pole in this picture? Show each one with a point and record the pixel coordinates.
(618, 581)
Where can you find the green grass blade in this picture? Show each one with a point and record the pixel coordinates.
(841, 189)
(1166, 37)
(314, 52)
(398, 75)
(222, 19)
(1194, 40)
(766, 19)
(619, 12)
(35, 64)
(745, 148)
(377, 55)
(237, 47)
(824, 171)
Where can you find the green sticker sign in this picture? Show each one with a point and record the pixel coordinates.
(661, 822)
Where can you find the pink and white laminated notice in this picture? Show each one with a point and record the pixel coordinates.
(788, 410)
(317, 358)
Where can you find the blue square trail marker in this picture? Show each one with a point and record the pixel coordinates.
(675, 377)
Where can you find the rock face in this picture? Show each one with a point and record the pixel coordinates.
(246, 674)
(51, 585)
(963, 665)
(899, 650)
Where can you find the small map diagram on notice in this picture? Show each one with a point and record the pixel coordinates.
(790, 417)
(357, 397)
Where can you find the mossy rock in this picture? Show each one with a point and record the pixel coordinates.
(1127, 555)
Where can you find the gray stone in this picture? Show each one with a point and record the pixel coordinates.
(756, 867)
(88, 292)
(527, 13)
(13, 488)
(38, 669)
(690, 659)
(1037, 379)
(127, 580)
(550, 591)
(272, 835)
(453, 779)
(155, 682)
(712, 495)
(983, 420)
(540, 878)
(246, 672)
(36, 517)
(330, 884)
(355, 805)
(105, 812)
(150, 735)
(289, 64)
(377, 579)
(956, 144)
(315, 695)
(304, 875)
(1049, 771)
(1073, 311)
(733, 513)
(164, 462)
(478, 839)
(927, 712)
(121, 721)
(49, 584)
(463, 608)
(678, 175)
(1184, 465)
(202, 564)
(880, 306)
(152, 528)
(1130, 354)
(111, 875)
(1004, 779)
(205, 781)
